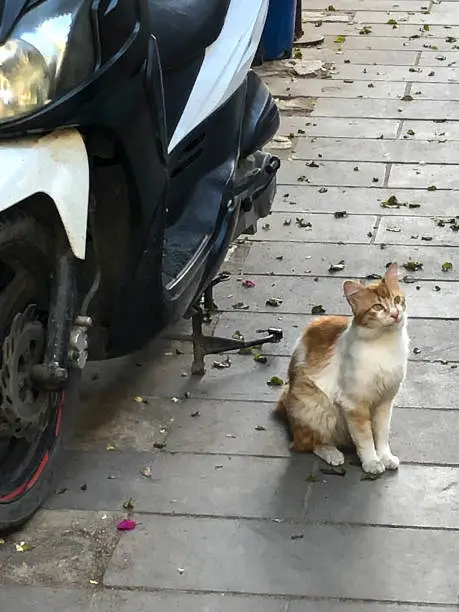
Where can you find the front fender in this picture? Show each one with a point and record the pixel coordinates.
(57, 165)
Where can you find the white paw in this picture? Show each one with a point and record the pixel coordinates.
(374, 466)
(390, 461)
(330, 455)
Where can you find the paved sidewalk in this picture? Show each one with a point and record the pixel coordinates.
(228, 520)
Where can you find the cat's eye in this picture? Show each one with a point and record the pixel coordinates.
(378, 307)
(397, 299)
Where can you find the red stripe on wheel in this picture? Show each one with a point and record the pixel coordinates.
(40, 469)
(14, 494)
(59, 415)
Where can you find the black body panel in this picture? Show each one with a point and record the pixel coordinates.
(197, 192)
(9, 12)
(184, 28)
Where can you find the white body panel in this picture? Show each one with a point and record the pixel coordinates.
(56, 165)
(226, 64)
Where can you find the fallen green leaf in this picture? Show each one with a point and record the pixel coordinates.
(410, 132)
(129, 504)
(407, 98)
(431, 188)
(24, 547)
(446, 266)
(340, 39)
(426, 27)
(365, 30)
(413, 266)
(297, 54)
(275, 381)
(391, 202)
(392, 22)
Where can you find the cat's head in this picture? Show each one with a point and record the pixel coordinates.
(380, 305)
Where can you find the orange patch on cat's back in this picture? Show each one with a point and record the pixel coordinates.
(319, 340)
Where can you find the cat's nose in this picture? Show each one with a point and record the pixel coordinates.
(395, 315)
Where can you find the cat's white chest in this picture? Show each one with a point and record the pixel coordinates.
(376, 367)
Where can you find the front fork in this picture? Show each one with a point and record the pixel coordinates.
(66, 333)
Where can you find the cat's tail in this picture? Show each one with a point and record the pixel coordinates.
(280, 410)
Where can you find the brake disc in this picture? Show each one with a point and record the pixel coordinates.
(23, 407)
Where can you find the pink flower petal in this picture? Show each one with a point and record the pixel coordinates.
(248, 283)
(126, 525)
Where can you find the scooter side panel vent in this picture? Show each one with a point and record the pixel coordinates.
(189, 154)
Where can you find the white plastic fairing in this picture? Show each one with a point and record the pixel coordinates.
(56, 165)
(226, 64)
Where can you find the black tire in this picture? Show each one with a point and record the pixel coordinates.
(26, 265)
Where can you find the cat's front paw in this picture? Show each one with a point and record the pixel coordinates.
(390, 461)
(374, 466)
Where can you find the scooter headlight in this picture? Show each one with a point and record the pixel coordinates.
(33, 62)
(25, 80)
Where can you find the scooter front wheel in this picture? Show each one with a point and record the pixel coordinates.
(34, 423)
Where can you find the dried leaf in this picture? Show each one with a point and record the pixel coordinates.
(297, 536)
(302, 223)
(312, 164)
(365, 30)
(195, 414)
(393, 228)
(241, 306)
(333, 470)
(410, 132)
(337, 267)
(266, 227)
(432, 188)
(126, 525)
(274, 302)
(318, 309)
(311, 478)
(147, 471)
(416, 350)
(391, 202)
(275, 381)
(222, 365)
(260, 428)
(370, 476)
(407, 98)
(340, 214)
(238, 336)
(446, 266)
(287, 222)
(323, 190)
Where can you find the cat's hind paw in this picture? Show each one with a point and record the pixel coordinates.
(374, 466)
(390, 461)
(330, 455)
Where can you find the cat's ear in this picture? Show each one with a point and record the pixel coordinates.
(392, 273)
(352, 290)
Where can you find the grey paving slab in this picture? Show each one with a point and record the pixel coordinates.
(431, 91)
(289, 228)
(439, 131)
(339, 128)
(230, 427)
(433, 339)
(389, 42)
(434, 58)
(232, 555)
(411, 17)
(356, 606)
(30, 599)
(67, 547)
(302, 259)
(426, 436)
(411, 230)
(387, 109)
(221, 485)
(285, 87)
(428, 175)
(246, 380)
(362, 56)
(384, 72)
(362, 200)
(377, 30)
(432, 300)
(353, 149)
(368, 5)
(415, 496)
(332, 173)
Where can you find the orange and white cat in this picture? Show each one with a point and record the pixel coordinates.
(344, 375)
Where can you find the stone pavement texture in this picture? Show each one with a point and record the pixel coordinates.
(228, 520)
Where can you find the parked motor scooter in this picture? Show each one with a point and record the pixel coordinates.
(131, 136)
